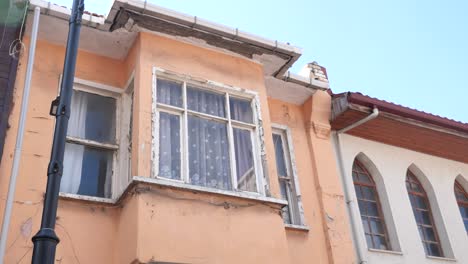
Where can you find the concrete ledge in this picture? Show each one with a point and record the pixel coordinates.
(71, 196)
(297, 227)
(136, 180)
(442, 259)
(192, 188)
(392, 252)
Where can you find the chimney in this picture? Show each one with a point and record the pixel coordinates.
(314, 71)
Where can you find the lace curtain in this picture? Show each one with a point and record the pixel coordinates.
(208, 144)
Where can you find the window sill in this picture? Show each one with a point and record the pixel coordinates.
(392, 252)
(297, 227)
(441, 258)
(192, 188)
(176, 185)
(93, 199)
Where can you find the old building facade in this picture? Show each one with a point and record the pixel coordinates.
(189, 142)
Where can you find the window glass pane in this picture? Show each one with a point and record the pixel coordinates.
(357, 168)
(362, 207)
(417, 216)
(206, 102)
(433, 250)
(355, 176)
(284, 194)
(283, 189)
(244, 160)
(169, 92)
(426, 219)
(376, 226)
(368, 193)
(169, 146)
(429, 234)
(466, 225)
(357, 188)
(380, 242)
(363, 177)
(279, 154)
(92, 117)
(421, 233)
(208, 153)
(365, 224)
(421, 202)
(372, 209)
(87, 171)
(241, 110)
(462, 211)
(370, 244)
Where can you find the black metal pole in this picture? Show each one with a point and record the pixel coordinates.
(45, 241)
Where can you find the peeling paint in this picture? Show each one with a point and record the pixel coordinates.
(26, 228)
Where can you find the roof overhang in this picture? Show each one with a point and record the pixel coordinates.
(401, 126)
(112, 36)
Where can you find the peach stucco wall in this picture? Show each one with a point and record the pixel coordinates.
(100, 222)
(154, 223)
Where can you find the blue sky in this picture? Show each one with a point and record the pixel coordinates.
(413, 53)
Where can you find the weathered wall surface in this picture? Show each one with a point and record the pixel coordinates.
(82, 227)
(183, 227)
(303, 246)
(389, 165)
(328, 186)
(156, 223)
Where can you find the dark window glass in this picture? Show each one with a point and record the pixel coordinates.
(92, 117)
(291, 214)
(92, 168)
(241, 110)
(369, 207)
(279, 154)
(462, 200)
(423, 215)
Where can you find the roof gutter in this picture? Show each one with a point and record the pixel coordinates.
(353, 208)
(375, 113)
(148, 9)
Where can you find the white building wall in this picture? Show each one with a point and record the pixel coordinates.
(389, 165)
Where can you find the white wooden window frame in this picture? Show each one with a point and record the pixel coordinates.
(183, 112)
(121, 154)
(296, 210)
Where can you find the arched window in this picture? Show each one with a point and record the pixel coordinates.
(370, 208)
(423, 215)
(462, 200)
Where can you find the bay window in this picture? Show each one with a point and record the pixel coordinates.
(205, 135)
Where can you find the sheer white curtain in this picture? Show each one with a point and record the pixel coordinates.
(73, 158)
